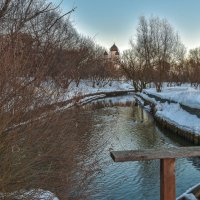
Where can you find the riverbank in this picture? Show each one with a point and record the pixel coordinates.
(96, 132)
(85, 93)
(75, 96)
(175, 108)
(191, 194)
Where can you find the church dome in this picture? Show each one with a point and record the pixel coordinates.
(114, 48)
(105, 53)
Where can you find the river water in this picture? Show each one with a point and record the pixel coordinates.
(113, 125)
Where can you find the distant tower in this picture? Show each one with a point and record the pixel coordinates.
(114, 52)
(105, 55)
(113, 57)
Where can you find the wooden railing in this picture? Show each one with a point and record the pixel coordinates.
(167, 158)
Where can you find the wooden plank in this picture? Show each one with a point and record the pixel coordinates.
(167, 179)
(153, 154)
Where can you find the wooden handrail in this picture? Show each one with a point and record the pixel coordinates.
(167, 158)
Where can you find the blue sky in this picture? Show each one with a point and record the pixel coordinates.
(110, 21)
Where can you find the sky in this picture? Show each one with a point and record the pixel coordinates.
(115, 21)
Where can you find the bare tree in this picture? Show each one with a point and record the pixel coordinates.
(134, 68)
(158, 48)
(193, 66)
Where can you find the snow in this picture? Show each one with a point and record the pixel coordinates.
(185, 95)
(189, 197)
(119, 99)
(188, 194)
(81, 102)
(85, 87)
(172, 112)
(53, 93)
(175, 115)
(148, 108)
(37, 194)
(152, 100)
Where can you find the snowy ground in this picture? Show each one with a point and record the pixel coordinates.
(75, 95)
(35, 194)
(188, 195)
(85, 87)
(54, 94)
(185, 95)
(173, 113)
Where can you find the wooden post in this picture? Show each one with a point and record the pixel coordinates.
(167, 158)
(167, 179)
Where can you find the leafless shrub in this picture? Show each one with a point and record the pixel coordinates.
(156, 53)
(40, 54)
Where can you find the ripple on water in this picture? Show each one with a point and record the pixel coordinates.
(121, 128)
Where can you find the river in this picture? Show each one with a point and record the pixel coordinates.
(115, 126)
(69, 154)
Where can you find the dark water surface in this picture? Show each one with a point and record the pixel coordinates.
(123, 128)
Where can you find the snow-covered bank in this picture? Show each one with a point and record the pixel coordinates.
(53, 93)
(86, 87)
(34, 194)
(168, 110)
(187, 96)
(191, 193)
(81, 95)
(174, 114)
(86, 93)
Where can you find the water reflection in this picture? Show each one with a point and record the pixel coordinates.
(133, 128)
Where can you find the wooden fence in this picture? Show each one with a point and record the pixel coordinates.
(167, 158)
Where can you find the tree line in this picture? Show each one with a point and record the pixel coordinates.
(157, 55)
(40, 47)
(41, 54)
